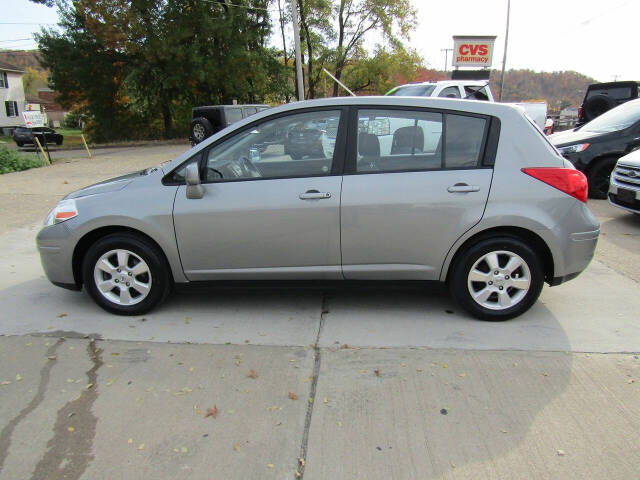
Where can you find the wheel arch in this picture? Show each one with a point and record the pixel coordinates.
(529, 237)
(91, 237)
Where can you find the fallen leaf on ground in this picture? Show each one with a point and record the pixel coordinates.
(310, 400)
(130, 441)
(325, 400)
(89, 385)
(377, 372)
(252, 374)
(340, 424)
(115, 354)
(62, 315)
(270, 465)
(187, 320)
(344, 347)
(141, 446)
(110, 381)
(18, 377)
(301, 460)
(6, 382)
(71, 429)
(293, 396)
(561, 453)
(52, 357)
(212, 412)
(235, 447)
(444, 365)
(183, 449)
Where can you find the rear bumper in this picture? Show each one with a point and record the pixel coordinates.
(578, 253)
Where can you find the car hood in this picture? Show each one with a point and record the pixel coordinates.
(570, 137)
(632, 159)
(107, 186)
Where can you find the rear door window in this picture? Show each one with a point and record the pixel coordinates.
(233, 115)
(400, 140)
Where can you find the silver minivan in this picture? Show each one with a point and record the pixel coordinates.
(340, 190)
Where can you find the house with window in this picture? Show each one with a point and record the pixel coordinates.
(11, 97)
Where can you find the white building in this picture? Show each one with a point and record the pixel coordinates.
(12, 99)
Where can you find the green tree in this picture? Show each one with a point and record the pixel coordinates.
(150, 61)
(32, 80)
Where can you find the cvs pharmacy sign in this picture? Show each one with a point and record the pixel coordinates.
(472, 51)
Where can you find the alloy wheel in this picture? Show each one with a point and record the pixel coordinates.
(499, 280)
(122, 277)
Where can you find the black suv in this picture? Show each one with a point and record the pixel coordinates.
(601, 97)
(205, 121)
(595, 147)
(25, 135)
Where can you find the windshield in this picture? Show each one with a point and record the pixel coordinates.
(412, 91)
(615, 119)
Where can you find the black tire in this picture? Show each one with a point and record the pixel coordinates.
(599, 176)
(201, 129)
(19, 144)
(596, 106)
(460, 289)
(160, 277)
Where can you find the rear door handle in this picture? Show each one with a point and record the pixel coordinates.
(314, 195)
(463, 188)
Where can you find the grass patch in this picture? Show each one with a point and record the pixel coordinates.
(12, 161)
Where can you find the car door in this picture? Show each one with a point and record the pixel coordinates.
(401, 212)
(265, 214)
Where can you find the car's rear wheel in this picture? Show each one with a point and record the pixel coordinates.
(599, 177)
(20, 144)
(126, 274)
(497, 279)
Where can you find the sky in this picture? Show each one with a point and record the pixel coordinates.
(597, 38)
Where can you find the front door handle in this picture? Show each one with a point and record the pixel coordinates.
(314, 195)
(463, 188)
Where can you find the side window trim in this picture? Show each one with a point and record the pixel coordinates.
(337, 166)
(487, 149)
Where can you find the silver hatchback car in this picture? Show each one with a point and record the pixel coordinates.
(343, 189)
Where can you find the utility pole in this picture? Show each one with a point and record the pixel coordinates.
(504, 57)
(446, 58)
(296, 37)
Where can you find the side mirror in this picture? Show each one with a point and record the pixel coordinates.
(192, 179)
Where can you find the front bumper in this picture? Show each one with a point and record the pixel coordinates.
(628, 205)
(55, 245)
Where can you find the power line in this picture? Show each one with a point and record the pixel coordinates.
(16, 40)
(26, 23)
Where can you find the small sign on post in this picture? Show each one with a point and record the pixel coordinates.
(33, 119)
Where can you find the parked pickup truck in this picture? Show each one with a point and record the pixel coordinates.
(466, 89)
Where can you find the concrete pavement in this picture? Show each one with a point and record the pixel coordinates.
(385, 384)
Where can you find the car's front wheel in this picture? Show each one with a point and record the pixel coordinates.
(497, 279)
(126, 274)
(599, 177)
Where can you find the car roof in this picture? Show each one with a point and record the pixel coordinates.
(447, 82)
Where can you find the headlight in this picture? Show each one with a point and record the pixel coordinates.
(577, 148)
(65, 210)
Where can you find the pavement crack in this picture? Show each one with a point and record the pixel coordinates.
(70, 450)
(324, 309)
(45, 372)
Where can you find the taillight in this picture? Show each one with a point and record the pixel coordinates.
(568, 180)
(580, 114)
